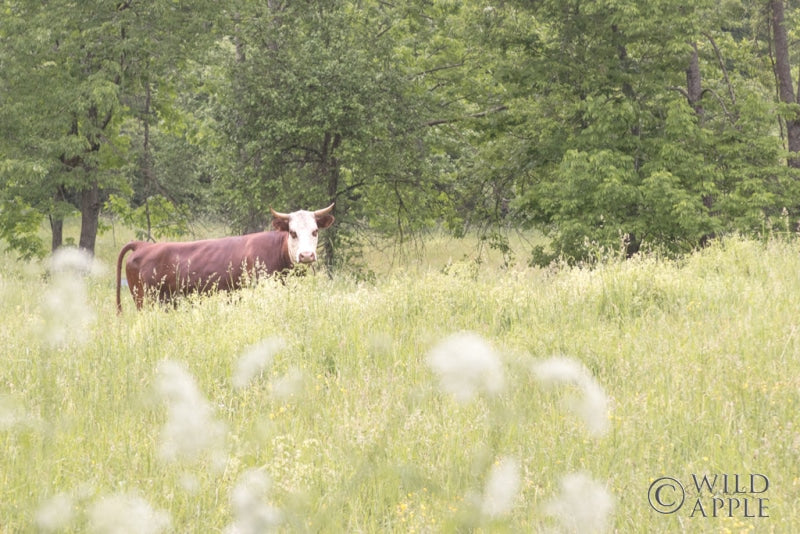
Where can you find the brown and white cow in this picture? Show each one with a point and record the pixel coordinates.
(167, 269)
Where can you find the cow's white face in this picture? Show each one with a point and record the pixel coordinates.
(303, 227)
(303, 237)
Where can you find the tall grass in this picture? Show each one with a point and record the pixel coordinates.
(497, 400)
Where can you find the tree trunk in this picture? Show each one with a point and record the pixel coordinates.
(694, 88)
(330, 168)
(57, 230)
(90, 217)
(694, 92)
(147, 161)
(57, 220)
(256, 221)
(783, 73)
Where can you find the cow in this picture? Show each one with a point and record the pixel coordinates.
(168, 269)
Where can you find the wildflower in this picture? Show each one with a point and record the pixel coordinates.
(190, 428)
(501, 489)
(583, 505)
(55, 514)
(466, 364)
(126, 513)
(593, 406)
(11, 412)
(65, 307)
(252, 514)
(75, 261)
(288, 385)
(254, 360)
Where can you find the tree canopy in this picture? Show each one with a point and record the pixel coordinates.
(611, 123)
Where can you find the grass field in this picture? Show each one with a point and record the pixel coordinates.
(427, 399)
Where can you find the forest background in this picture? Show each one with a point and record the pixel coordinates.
(618, 123)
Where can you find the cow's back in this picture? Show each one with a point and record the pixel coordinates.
(209, 263)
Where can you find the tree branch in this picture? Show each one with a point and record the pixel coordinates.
(496, 109)
(730, 116)
(681, 90)
(722, 67)
(437, 69)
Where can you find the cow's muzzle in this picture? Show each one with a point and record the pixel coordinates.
(307, 257)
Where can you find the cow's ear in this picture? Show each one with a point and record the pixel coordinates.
(324, 221)
(280, 224)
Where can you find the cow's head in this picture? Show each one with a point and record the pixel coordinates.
(302, 227)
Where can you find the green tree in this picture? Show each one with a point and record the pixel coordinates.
(73, 78)
(320, 109)
(642, 122)
(607, 123)
(65, 94)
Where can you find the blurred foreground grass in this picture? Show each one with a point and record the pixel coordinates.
(425, 400)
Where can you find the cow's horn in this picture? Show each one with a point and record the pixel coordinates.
(278, 215)
(324, 211)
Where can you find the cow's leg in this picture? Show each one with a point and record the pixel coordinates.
(136, 286)
(166, 295)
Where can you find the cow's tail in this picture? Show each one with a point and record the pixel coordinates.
(130, 246)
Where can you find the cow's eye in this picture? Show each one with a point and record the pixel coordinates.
(293, 234)
(314, 233)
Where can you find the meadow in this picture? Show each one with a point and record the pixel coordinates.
(436, 396)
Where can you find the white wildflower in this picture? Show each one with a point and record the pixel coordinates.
(189, 482)
(254, 360)
(252, 514)
(465, 364)
(75, 261)
(190, 429)
(65, 306)
(56, 513)
(583, 505)
(288, 385)
(126, 513)
(501, 489)
(11, 412)
(592, 406)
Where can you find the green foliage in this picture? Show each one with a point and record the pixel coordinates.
(609, 148)
(156, 218)
(19, 228)
(73, 74)
(324, 110)
(576, 118)
(19, 220)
